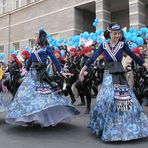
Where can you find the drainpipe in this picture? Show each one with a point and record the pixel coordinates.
(9, 32)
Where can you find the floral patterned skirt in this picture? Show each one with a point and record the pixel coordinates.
(40, 103)
(113, 125)
(2, 104)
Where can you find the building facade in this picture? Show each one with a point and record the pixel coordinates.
(20, 19)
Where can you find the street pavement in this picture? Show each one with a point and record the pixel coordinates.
(68, 134)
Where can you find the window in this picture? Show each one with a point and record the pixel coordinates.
(31, 43)
(28, 2)
(4, 6)
(16, 46)
(17, 3)
(1, 48)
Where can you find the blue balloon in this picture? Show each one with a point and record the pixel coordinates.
(56, 48)
(62, 53)
(49, 36)
(107, 40)
(85, 35)
(76, 44)
(132, 30)
(11, 51)
(128, 36)
(143, 30)
(95, 38)
(2, 55)
(76, 39)
(92, 35)
(27, 48)
(70, 38)
(99, 31)
(134, 39)
(15, 52)
(140, 41)
(41, 28)
(4, 61)
(134, 45)
(135, 33)
(139, 32)
(146, 36)
(96, 20)
(94, 24)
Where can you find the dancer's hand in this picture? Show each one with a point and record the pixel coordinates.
(145, 65)
(66, 74)
(81, 76)
(83, 72)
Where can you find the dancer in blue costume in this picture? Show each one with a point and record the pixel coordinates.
(116, 115)
(2, 106)
(38, 99)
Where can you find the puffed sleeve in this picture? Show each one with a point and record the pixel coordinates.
(132, 55)
(97, 52)
(28, 64)
(54, 59)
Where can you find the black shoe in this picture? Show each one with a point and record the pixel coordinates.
(81, 104)
(73, 101)
(87, 111)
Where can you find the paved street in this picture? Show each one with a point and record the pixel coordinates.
(73, 134)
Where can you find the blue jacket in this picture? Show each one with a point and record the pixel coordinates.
(114, 56)
(44, 53)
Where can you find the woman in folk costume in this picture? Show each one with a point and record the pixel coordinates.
(2, 108)
(116, 115)
(84, 88)
(27, 59)
(14, 66)
(38, 99)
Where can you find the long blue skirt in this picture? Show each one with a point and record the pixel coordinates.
(30, 106)
(111, 125)
(2, 104)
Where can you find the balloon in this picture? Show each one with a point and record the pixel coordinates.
(49, 36)
(85, 35)
(15, 52)
(134, 39)
(63, 53)
(128, 36)
(140, 41)
(96, 20)
(76, 39)
(143, 30)
(107, 40)
(134, 45)
(41, 28)
(27, 48)
(99, 40)
(4, 61)
(146, 36)
(99, 31)
(11, 51)
(132, 30)
(56, 48)
(135, 33)
(92, 35)
(76, 44)
(95, 38)
(2, 55)
(139, 32)
(70, 38)
(94, 24)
